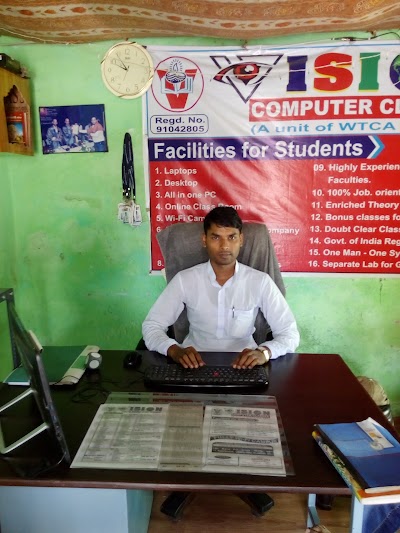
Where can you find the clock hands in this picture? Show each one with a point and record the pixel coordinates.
(137, 65)
(122, 65)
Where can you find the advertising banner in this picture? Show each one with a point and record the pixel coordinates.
(304, 139)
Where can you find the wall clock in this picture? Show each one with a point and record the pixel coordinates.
(127, 70)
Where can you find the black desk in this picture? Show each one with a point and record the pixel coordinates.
(309, 388)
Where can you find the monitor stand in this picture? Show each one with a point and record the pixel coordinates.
(28, 436)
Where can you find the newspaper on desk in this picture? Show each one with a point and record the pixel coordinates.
(124, 437)
(183, 437)
(238, 439)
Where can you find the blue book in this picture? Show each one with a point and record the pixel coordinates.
(372, 497)
(369, 451)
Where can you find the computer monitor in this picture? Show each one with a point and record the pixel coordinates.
(39, 389)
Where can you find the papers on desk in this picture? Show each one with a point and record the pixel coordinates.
(182, 442)
(177, 437)
(123, 437)
(240, 440)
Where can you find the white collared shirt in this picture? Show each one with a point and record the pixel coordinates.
(221, 318)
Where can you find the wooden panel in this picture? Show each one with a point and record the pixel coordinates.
(7, 81)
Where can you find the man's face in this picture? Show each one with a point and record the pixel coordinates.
(222, 244)
(55, 122)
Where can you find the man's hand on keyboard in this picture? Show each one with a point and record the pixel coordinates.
(188, 357)
(249, 358)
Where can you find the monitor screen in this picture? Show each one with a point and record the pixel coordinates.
(39, 389)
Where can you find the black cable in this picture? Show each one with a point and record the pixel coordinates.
(31, 471)
(89, 394)
(375, 36)
(97, 393)
(350, 38)
(128, 175)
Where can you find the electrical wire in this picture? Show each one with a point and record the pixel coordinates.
(97, 393)
(38, 40)
(373, 36)
(31, 470)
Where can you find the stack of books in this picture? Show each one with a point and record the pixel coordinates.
(366, 455)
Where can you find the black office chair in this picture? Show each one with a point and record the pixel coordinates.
(182, 248)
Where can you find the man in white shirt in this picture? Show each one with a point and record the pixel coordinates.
(222, 298)
(96, 132)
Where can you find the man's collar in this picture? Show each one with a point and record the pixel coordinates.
(211, 273)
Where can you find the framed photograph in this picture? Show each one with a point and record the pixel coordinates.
(69, 128)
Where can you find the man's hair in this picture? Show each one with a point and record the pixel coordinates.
(225, 216)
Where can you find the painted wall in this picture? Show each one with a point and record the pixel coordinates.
(7, 259)
(7, 237)
(82, 277)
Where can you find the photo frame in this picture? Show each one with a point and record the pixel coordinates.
(73, 129)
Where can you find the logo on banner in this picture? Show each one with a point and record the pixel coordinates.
(395, 71)
(181, 84)
(247, 75)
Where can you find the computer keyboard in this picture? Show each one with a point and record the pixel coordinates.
(174, 375)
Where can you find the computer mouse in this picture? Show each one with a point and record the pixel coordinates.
(132, 360)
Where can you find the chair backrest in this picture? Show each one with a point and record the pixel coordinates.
(182, 248)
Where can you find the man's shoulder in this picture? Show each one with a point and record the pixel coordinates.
(199, 268)
(253, 273)
(188, 274)
(250, 270)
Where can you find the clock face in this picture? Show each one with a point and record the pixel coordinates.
(127, 70)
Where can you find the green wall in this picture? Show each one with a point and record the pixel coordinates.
(7, 236)
(82, 277)
(7, 259)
